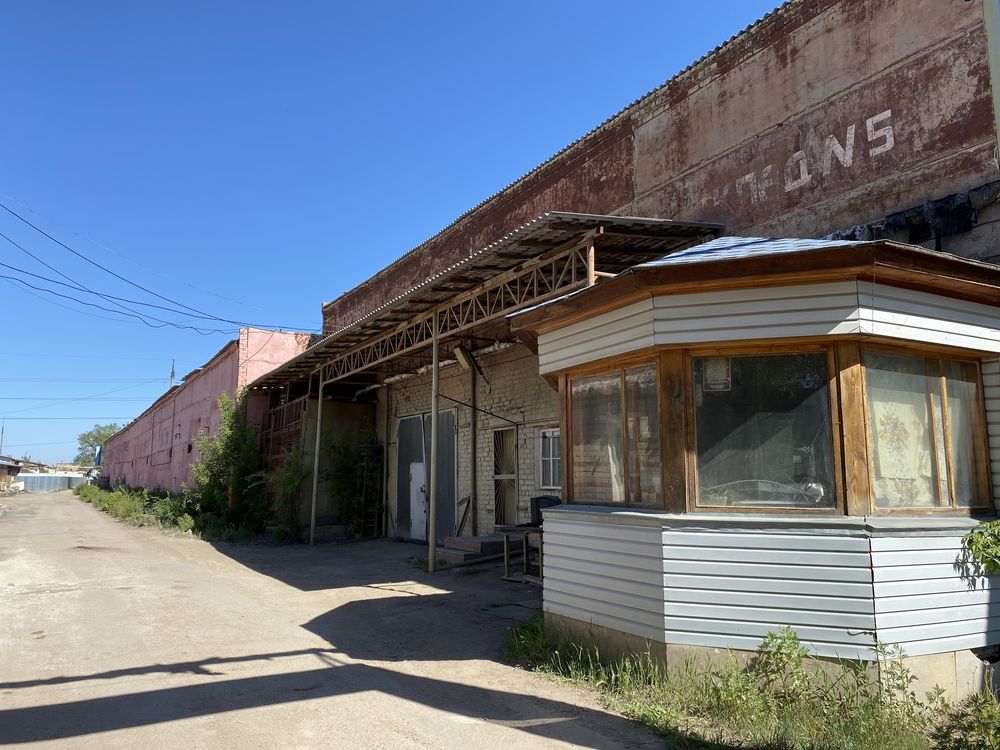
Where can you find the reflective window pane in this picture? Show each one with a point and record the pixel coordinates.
(598, 460)
(906, 430)
(763, 433)
(962, 383)
(643, 436)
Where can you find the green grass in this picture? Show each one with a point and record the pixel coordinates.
(164, 510)
(778, 700)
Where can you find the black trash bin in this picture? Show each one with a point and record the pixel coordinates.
(540, 502)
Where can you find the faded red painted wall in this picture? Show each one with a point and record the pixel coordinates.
(826, 114)
(157, 449)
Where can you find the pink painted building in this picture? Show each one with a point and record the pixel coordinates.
(157, 449)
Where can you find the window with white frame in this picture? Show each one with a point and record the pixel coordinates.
(549, 459)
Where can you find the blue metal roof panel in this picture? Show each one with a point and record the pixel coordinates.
(735, 248)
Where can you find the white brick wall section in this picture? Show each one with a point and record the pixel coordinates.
(512, 389)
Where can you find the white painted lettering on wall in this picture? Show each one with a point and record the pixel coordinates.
(838, 151)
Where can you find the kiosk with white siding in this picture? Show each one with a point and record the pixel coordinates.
(763, 432)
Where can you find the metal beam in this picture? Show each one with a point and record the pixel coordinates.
(315, 476)
(432, 484)
(558, 272)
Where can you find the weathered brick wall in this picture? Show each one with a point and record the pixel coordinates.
(511, 390)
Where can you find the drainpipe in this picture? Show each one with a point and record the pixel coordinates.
(315, 477)
(432, 493)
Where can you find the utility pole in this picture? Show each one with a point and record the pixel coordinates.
(2, 428)
(172, 373)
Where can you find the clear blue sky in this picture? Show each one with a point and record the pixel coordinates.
(254, 159)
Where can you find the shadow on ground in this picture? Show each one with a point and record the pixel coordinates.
(395, 612)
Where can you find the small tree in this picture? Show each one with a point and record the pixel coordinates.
(222, 480)
(91, 440)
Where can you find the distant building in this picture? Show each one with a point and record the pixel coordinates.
(157, 449)
(9, 468)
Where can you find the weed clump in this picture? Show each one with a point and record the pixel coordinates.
(779, 698)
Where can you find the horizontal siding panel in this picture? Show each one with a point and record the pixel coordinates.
(904, 635)
(763, 296)
(922, 558)
(554, 564)
(653, 633)
(771, 600)
(739, 615)
(614, 332)
(921, 602)
(751, 643)
(935, 615)
(776, 556)
(907, 543)
(914, 572)
(911, 302)
(616, 546)
(623, 317)
(784, 586)
(727, 332)
(954, 643)
(760, 629)
(644, 588)
(650, 601)
(915, 586)
(802, 310)
(614, 559)
(753, 570)
(596, 533)
(931, 334)
(762, 540)
(649, 619)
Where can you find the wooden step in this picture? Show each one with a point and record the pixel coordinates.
(449, 556)
(479, 545)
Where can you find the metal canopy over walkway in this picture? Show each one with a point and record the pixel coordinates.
(553, 255)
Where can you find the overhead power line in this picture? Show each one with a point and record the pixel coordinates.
(83, 380)
(56, 398)
(204, 315)
(141, 318)
(91, 397)
(62, 418)
(109, 297)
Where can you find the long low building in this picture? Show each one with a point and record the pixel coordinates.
(157, 448)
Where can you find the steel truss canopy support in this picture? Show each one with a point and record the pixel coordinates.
(550, 256)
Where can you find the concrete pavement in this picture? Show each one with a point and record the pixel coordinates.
(112, 636)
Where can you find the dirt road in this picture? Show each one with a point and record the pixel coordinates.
(112, 636)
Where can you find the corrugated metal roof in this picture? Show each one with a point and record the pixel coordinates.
(640, 235)
(733, 248)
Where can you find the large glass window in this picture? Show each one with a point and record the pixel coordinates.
(763, 431)
(923, 416)
(616, 446)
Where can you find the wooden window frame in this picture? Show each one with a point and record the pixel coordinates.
(618, 366)
(540, 458)
(847, 387)
(981, 465)
(763, 350)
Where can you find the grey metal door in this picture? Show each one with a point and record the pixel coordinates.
(413, 446)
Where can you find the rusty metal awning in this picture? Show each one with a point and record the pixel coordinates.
(625, 241)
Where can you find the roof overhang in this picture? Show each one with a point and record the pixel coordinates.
(883, 261)
(623, 241)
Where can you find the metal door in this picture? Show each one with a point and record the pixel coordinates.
(409, 451)
(418, 501)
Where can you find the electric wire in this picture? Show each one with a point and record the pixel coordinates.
(208, 316)
(141, 318)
